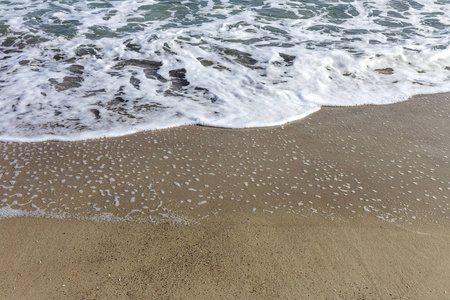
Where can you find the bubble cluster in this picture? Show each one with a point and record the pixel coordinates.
(391, 168)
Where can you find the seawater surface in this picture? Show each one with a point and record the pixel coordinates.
(84, 69)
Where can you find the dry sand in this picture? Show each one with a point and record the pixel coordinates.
(349, 203)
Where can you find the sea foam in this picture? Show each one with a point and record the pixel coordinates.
(85, 69)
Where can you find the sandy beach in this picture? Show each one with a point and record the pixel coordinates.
(348, 203)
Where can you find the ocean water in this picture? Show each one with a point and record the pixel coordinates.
(84, 69)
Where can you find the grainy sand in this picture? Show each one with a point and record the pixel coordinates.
(349, 203)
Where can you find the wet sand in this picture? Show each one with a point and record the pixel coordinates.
(347, 203)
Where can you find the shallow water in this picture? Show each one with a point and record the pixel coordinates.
(339, 164)
(85, 69)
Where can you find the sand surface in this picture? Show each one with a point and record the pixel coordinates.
(349, 203)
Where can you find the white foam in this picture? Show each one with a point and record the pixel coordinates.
(253, 67)
(8, 212)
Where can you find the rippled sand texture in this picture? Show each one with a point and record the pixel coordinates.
(388, 161)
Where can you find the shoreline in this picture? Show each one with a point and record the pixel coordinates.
(50, 139)
(356, 158)
(346, 203)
